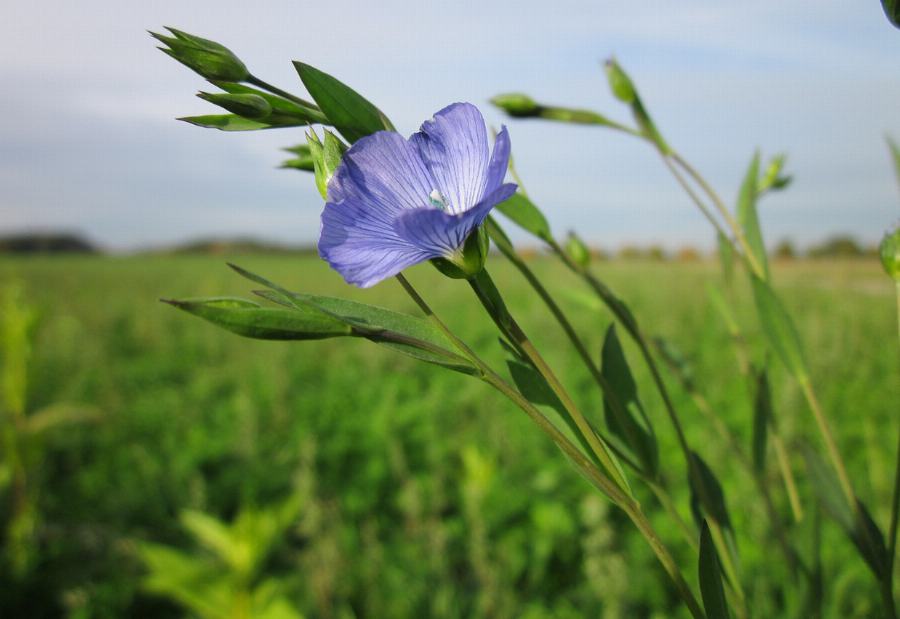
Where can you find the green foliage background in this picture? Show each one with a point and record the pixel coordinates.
(422, 492)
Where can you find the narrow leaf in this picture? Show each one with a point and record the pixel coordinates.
(707, 493)
(625, 415)
(233, 122)
(748, 217)
(710, 571)
(762, 416)
(779, 328)
(856, 523)
(408, 334)
(349, 112)
(526, 215)
(265, 323)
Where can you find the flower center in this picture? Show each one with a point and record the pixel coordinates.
(437, 200)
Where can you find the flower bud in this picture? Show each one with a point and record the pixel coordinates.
(468, 261)
(772, 178)
(246, 105)
(208, 58)
(619, 82)
(577, 250)
(890, 254)
(517, 104)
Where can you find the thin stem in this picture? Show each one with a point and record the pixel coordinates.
(616, 405)
(486, 291)
(895, 504)
(692, 195)
(739, 235)
(621, 313)
(252, 79)
(787, 475)
(603, 483)
(830, 444)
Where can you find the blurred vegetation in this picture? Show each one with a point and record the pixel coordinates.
(201, 474)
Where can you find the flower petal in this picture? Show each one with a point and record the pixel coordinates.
(362, 245)
(385, 171)
(496, 171)
(454, 148)
(439, 233)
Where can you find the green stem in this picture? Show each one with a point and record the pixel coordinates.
(634, 330)
(252, 79)
(736, 228)
(608, 392)
(490, 298)
(895, 504)
(584, 465)
(830, 444)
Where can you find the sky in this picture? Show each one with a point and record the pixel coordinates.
(88, 140)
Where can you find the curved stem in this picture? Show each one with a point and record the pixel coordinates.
(738, 230)
(487, 293)
(584, 465)
(252, 79)
(895, 503)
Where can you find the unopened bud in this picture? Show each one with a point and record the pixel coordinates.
(208, 58)
(890, 254)
(517, 104)
(246, 105)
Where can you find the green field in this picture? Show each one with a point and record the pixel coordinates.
(422, 493)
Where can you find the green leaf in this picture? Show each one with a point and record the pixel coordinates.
(779, 328)
(892, 11)
(826, 487)
(707, 497)
(856, 523)
(526, 215)
(347, 110)
(717, 300)
(748, 217)
(265, 323)
(232, 122)
(299, 163)
(710, 572)
(626, 419)
(870, 542)
(413, 336)
(535, 388)
(762, 417)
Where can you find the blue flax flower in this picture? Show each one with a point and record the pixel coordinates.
(393, 203)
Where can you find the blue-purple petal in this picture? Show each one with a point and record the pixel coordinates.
(496, 171)
(439, 233)
(384, 170)
(363, 247)
(454, 148)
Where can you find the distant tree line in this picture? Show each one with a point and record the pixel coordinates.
(841, 246)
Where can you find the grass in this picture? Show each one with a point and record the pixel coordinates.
(423, 493)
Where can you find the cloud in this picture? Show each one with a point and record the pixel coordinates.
(88, 138)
